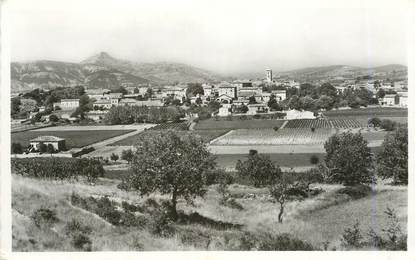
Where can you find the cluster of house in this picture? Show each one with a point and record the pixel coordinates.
(232, 95)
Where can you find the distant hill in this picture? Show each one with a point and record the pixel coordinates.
(392, 71)
(103, 71)
(158, 72)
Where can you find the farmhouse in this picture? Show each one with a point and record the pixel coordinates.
(127, 102)
(296, 114)
(388, 100)
(227, 90)
(257, 108)
(103, 103)
(279, 94)
(57, 142)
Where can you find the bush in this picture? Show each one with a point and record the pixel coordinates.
(75, 227)
(232, 203)
(16, 148)
(352, 237)
(82, 242)
(44, 217)
(388, 125)
(276, 128)
(314, 159)
(356, 191)
(270, 242)
(58, 168)
(161, 223)
(374, 122)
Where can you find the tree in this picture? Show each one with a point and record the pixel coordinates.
(193, 89)
(280, 191)
(127, 155)
(120, 89)
(42, 148)
(173, 164)
(295, 103)
(325, 102)
(381, 93)
(374, 122)
(53, 118)
(388, 125)
(314, 159)
(252, 100)
(349, 159)
(273, 103)
(114, 157)
(16, 148)
(15, 105)
(50, 149)
(328, 90)
(392, 160)
(259, 169)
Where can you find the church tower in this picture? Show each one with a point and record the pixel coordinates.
(269, 75)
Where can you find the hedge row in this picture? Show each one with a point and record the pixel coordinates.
(58, 168)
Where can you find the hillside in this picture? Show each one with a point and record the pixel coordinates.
(391, 71)
(102, 71)
(317, 220)
(51, 74)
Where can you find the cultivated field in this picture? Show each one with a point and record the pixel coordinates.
(303, 136)
(324, 123)
(74, 139)
(206, 135)
(237, 123)
(318, 220)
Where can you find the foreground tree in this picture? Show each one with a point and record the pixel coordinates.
(280, 191)
(171, 164)
(392, 160)
(349, 159)
(259, 169)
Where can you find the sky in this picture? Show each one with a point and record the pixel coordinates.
(223, 36)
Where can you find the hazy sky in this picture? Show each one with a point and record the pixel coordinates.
(224, 36)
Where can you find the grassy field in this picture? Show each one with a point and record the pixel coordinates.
(206, 135)
(74, 139)
(316, 220)
(237, 123)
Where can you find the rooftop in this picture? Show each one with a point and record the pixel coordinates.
(47, 138)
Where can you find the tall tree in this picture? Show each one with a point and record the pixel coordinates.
(259, 169)
(392, 160)
(173, 164)
(349, 159)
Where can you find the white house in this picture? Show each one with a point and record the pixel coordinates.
(69, 104)
(296, 114)
(403, 99)
(229, 91)
(225, 110)
(280, 95)
(388, 100)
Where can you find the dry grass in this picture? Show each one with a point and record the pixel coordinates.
(315, 220)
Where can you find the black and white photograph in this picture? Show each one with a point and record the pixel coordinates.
(206, 126)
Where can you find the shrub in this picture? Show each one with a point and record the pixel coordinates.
(16, 148)
(44, 217)
(276, 128)
(352, 237)
(129, 207)
(375, 122)
(58, 168)
(82, 242)
(270, 242)
(356, 191)
(75, 227)
(388, 125)
(161, 223)
(232, 203)
(314, 159)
